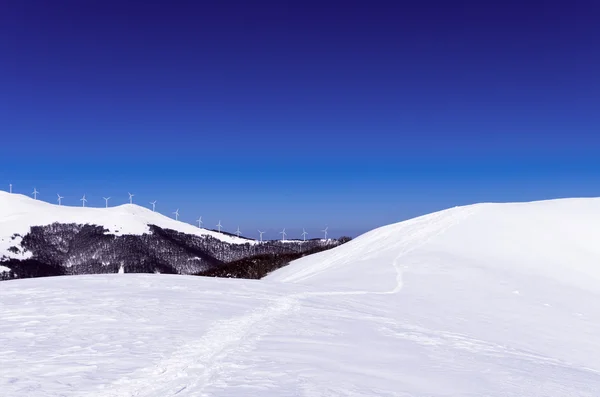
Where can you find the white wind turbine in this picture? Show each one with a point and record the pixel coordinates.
(83, 200)
(176, 213)
(283, 234)
(35, 193)
(238, 232)
(59, 199)
(153, 205)
(131, 198)
(106, 200)
(261, 233)
(219, 226)
(10, 187)
(304, 234)
(199, 220)
(325, 231)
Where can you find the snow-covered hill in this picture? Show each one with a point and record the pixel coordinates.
(18, 213)
(483, 300)
(558, 240)
(38, 239)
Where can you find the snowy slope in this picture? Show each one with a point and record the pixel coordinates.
(555, 239)
(18, 213)
(484, 300)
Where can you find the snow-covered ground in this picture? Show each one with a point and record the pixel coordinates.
(18, 213)
(483, 300)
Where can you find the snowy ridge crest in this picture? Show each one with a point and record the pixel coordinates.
(18, 213)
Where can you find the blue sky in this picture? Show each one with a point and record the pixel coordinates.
(301, 114)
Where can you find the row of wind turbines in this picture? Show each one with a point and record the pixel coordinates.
(176, 213)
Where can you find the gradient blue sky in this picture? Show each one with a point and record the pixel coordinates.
(300, 114)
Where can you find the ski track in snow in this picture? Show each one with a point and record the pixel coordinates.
(199, 363)
(194, 367)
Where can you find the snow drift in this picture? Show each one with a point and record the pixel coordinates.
(489, 299)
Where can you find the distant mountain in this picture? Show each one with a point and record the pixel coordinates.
(41, 239)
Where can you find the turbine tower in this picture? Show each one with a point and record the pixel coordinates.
(176, 213)
(35, 193)
(304, 234)
(283, 234)
(153, 205)
(325, 231)
(238, 232)
(199, 220)
(83, 200)
(219, 226)
(10, 187)
(59, 199)
(106, 200)
(261, 233)
(131, 198)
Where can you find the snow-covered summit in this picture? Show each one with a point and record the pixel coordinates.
(554, 239)
(18, 213)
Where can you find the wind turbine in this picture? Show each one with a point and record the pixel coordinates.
(83, 200)
(238, 232)
(219, 226)
(10, 187)
(283, 234)
(59, 199)
(261, 233)
(35, 193)
(131, 198)
(199, 220)
(106, 200)
(153, 205)
(176, 213)
(325, 231)
(304, 234)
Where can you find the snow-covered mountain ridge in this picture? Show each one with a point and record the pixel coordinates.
(41, 239)
(18, 213)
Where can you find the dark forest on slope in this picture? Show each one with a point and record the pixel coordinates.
(69, 249)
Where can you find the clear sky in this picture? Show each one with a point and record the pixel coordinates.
(300, 114)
